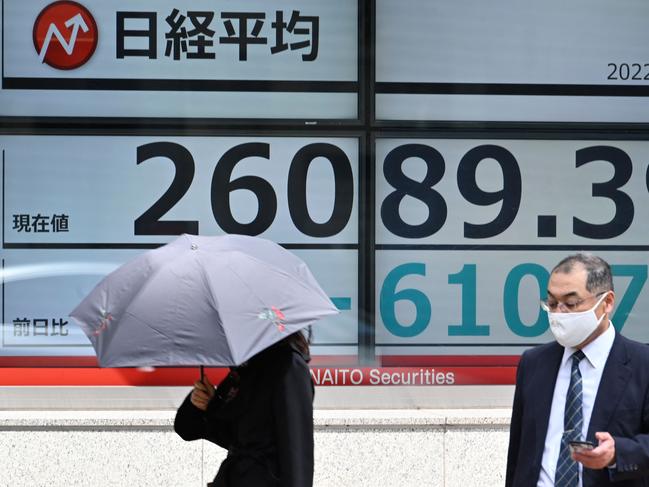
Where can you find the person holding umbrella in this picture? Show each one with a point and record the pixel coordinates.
(229, 300)
(262, 413)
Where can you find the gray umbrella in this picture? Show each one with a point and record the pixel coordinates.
(200, 301)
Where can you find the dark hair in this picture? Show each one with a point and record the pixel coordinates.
(300, 340)
(598, 273)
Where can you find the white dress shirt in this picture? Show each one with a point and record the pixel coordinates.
(591, 369)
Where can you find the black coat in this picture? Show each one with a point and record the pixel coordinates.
(262, 413)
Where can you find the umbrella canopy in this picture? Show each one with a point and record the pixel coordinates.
(200, 301)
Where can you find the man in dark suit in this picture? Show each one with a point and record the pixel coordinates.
(592, 384)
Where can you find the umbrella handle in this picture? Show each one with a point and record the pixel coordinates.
(202, 373)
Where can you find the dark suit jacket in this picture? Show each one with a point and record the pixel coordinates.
(263, 416)
(621, 408)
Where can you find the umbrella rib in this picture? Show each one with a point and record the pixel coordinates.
(140, 320)
(109, 337)
(250, 291)
(275, 268)
(154, 271)
(206, 283)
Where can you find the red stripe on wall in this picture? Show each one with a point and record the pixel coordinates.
(69, 376)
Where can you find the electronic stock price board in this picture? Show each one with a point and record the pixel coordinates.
(95, 201)
(465, 228)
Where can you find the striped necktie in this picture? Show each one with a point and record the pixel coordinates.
(567, 474)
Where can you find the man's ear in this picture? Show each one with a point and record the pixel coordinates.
(609, 302)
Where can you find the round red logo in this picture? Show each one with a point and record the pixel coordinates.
(65, 35)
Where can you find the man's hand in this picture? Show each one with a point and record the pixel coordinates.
(600, 457)
(202, 393)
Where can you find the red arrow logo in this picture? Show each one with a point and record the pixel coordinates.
(65, 35)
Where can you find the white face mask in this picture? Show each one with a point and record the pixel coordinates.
(571, 329)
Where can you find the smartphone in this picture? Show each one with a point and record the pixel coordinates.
(579, 446)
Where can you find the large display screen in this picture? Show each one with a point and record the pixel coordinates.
(75, 208)
(512, 60)
(468, 230)
(166, 59)
(430, 161)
